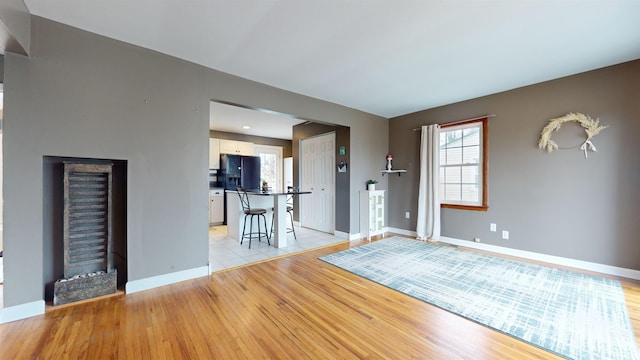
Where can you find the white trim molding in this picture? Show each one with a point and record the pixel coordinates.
(341, 234)
(402, 232)
(166, 279)
(551, 259)
(22, 311)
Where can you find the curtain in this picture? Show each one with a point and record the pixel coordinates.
(428, 227)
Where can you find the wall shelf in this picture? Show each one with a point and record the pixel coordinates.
(399, 172)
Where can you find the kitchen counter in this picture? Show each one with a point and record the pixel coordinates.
(216, 206)
(235, 215)
(266, 200)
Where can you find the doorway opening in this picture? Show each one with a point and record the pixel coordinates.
(275, 139)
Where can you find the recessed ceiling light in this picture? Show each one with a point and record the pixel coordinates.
(247, 127)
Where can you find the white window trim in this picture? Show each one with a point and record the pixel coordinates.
(482, 186)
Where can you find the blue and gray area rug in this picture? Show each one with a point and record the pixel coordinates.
(573, 315)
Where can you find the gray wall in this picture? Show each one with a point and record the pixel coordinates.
(559, 203)
(80, 95)
(87, 96)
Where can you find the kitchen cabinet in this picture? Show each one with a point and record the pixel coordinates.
(236, 147)
(371, 213)
(214, 154)
(216, 206)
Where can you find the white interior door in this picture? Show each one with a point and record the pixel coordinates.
(317, 174)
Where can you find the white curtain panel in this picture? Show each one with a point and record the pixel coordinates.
(428, 227)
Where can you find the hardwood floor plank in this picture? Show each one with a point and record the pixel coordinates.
(296, 307)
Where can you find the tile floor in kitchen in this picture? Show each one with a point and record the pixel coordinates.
(227, 253)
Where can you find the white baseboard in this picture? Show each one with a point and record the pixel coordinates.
(551, 259)
(402, 232)
(166, 279)
(22, 311)
(345, 235)
(356, 236)
(385, 230)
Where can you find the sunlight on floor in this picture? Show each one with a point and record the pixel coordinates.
(227, 253)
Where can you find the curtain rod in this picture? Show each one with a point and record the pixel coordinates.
(461, 121)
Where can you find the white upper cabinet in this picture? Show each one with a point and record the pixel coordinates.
(214, 154)
(245, 148)
(236, 147)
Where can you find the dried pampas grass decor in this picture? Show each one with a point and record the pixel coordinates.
(591, 127)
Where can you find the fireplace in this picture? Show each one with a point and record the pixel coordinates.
(85, 226)
(88, 263)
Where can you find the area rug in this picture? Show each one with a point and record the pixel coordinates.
(573, 315)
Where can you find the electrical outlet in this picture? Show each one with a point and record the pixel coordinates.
(476, 239)
(505, 234)
(492, 227)
(407, 215)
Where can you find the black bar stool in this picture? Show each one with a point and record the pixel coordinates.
(251, 212)
(290, 211)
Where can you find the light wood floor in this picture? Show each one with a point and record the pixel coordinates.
(296, 307)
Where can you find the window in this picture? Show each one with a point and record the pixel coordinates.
(463, 165)
(270, 165)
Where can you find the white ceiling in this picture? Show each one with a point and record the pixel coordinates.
(229, 118)
(385, 57)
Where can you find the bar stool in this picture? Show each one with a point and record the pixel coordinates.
(251, 212)
(290, 211)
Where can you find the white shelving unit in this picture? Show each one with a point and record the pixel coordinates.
(371, 213)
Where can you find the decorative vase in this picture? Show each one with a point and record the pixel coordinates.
(371, 187)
